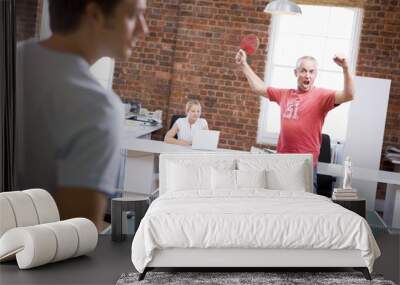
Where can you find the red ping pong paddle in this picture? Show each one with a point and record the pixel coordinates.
(249, 43)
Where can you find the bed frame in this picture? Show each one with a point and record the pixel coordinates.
(242, 259)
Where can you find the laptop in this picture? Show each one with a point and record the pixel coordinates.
(205, 140)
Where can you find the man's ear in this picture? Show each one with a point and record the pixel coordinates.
(295, 72)
(93, 15)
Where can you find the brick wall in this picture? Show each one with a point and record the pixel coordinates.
(379, 56)
(204, 68)
(28, 14)
(147, 76)
(202, 38)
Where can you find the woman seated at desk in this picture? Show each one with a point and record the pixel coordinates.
(186, 127)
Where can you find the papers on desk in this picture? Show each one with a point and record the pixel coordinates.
(345, 194)
(393, 154)
(144, 119)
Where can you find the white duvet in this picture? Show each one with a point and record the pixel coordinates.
(250, 219)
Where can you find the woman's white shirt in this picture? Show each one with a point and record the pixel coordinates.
(187, 131)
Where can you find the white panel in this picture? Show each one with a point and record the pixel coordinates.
(366, 126)
(336, 122)
(45, 31)
(139, 173)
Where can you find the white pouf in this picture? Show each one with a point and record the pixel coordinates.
(31, 232)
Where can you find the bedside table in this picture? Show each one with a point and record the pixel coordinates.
(358, 206)
(137, 204)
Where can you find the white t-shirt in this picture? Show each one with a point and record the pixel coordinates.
(187, 131)
(69, 128)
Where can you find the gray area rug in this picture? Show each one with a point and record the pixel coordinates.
(243, 278)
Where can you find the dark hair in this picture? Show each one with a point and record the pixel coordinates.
(65, 15)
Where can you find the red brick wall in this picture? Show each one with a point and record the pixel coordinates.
(28, 14)
(379, 56)
(147, 76)
(208, 37)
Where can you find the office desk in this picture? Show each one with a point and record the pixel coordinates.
(135, 129)
(392, 179)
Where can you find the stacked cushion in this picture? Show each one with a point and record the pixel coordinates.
(52, 242)
(31, 231)
(26, 208)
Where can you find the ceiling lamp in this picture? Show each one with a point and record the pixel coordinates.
(283, 7)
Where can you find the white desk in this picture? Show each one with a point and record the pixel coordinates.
(392, 200)
(360, 173)
(135, 129)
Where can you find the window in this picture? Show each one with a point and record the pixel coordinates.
(322, 32)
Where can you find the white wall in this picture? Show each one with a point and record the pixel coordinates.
(45, 22)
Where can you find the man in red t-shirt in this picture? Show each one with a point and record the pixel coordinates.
(303, 110)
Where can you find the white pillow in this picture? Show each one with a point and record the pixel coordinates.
(223, 179)
(284, 172)
(188, 177)
(251, 178)
(293, 180)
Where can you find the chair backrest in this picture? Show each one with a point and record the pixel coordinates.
(173, 120)
(325, 150)
(325, 182)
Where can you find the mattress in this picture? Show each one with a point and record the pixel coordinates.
(251, 219)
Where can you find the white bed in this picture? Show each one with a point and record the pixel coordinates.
(224, 218)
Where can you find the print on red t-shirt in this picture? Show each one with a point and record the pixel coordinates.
(292, 109)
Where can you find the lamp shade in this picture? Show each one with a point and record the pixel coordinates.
(282, 7)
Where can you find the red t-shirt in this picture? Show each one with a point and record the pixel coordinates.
(302, 118)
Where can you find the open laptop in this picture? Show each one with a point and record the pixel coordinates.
(205, 140)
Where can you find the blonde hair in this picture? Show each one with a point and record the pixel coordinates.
(303, 58)
(192, 102)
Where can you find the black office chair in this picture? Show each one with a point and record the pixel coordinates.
(173, 120)
(325, 182)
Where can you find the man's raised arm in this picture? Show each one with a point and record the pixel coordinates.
(256, 84)
(347, 94)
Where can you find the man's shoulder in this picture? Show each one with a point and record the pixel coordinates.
(277, 94)
(82, 87)
(323, 91)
